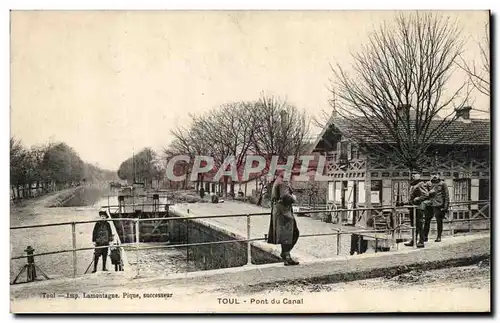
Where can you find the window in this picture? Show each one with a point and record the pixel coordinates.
(461, 189)
(354, 152)
(461, 192)
(376, 192)
(400, 191)
(343, 150)
(331, 191)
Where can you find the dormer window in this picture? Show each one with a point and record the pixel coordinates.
(354, 152)
(463, 113)
(403, 111)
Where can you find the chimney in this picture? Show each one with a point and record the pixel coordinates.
(463, 114)
(403, 110)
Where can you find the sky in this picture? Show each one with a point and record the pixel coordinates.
(109, 83)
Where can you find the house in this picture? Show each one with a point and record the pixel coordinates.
(359, 181)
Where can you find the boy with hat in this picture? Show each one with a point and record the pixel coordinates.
(102, 235)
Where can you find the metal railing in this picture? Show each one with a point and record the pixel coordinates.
(136, 244)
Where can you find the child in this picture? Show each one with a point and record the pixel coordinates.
(116, 257)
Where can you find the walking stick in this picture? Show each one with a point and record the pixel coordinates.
(86, 271)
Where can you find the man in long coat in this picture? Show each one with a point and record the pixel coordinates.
(283, 226)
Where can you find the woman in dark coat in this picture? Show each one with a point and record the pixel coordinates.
(283, 226)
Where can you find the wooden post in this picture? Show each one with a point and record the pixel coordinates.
(368, 192)
(355, 202)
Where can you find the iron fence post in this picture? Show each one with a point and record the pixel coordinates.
(451, 223)
(413, 212)
(396, 229)
(187, 242)
(249, 246)
(339, 238)
(137, 244)
(73, 233)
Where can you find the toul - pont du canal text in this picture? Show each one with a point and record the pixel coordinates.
(261, 301)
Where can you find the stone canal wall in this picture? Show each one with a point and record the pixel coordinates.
(215, 256)
(78, 196)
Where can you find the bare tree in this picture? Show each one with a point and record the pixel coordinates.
(479, 72)
(397, 101)
(228, 130)
(281, 129)
(187, 141)
(266, 127)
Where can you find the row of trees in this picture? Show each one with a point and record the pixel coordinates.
(145, 167)
(268, 126)
(45, 168)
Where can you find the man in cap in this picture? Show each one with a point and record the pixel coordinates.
(418, 197)
(102, 235)
(439, 201)
(283, 226)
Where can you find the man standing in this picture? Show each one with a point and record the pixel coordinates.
(418, 196)
(101, 236)
(438, 204)
(283, 226)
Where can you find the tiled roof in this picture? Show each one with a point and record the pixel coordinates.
(475, 132)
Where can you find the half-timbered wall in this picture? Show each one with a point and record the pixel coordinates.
(465, 170)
